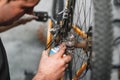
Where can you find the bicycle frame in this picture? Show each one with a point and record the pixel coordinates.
(78, 31)
(82, 34)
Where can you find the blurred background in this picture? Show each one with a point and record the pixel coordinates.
(24, 46)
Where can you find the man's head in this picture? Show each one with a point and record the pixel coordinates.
(12, 10)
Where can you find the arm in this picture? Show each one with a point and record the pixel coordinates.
(23, 20)
(52, 67)
(39, 76)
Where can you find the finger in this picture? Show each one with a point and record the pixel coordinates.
(29, 17)
(61, 51)
(66, 65)
(64, 55)
(62, 75)
(34, 17)
(62, 45)
(67, 58)
(45, 53)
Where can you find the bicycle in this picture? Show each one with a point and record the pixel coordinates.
(88, 42)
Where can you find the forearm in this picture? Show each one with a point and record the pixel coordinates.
(5, 28)
(39, 76)
(15, 24)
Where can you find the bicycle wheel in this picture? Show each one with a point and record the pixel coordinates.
(101, 34)
(100, 20)
(83, 18)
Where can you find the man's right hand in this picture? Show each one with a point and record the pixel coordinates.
(53, 67)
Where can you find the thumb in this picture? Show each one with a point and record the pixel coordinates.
(61, 50)
(45, 53)
(32, 17)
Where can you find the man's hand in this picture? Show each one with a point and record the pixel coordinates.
(29, 3)
(53, 67)
(12, 10)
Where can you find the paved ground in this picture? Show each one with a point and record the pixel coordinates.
(24, 48)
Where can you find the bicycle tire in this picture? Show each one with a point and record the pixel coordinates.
(102, 40)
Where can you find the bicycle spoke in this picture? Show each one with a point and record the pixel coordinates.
(82, 18)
